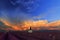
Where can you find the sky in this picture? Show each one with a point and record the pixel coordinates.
(20, 10)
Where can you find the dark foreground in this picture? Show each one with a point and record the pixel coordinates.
(24, 35)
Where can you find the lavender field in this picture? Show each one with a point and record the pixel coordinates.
(35, 35)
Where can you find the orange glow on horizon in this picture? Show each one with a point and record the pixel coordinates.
(34, 24)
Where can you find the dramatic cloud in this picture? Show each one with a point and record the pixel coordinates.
(21, 14)
(35, 25)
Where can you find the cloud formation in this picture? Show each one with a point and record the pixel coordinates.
(35, 25)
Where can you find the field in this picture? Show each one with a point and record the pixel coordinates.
(35, 35)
